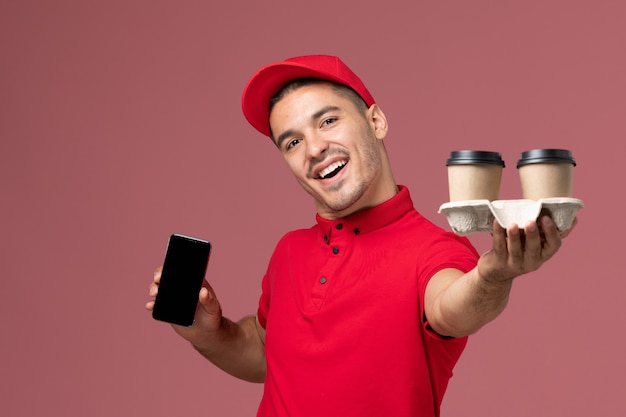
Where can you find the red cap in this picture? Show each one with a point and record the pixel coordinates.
(255, 101)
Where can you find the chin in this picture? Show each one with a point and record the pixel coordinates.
(338, 198)
(343, 202)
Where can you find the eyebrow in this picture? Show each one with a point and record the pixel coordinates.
(290, 132)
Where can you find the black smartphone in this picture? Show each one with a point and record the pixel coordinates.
(184, 268)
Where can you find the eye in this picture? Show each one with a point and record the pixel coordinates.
(329, 121)
(292, 143)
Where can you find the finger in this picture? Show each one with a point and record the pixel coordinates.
(532, 245)
(499, 239)
(150, 305)
(154, 289)
(156, 279)
(157, 274)
(515, 247)
(553, 239)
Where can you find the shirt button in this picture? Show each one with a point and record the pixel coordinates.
(335, 250)
(326, 238)
(323, 280)
(339, 226)
(357, 231)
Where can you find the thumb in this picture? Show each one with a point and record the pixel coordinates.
(208, 300)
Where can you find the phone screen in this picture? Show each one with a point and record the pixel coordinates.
(184, 268)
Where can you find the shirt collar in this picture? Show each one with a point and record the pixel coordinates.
(371, 218)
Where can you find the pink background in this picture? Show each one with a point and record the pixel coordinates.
(120, 124)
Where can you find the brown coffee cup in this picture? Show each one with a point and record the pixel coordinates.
(474, 175)
(546, 173)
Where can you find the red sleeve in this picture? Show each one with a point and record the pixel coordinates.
(446, 251)
(264, 302)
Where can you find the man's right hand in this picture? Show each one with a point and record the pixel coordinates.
(237, 348)
(207, 320)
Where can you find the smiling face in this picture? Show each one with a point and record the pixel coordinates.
(334, 148)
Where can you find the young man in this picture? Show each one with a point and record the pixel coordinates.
(368, 311)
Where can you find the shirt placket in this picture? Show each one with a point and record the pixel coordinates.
(336, 241)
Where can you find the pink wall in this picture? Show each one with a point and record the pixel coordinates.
(120, 123)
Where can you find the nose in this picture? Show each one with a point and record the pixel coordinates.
(315, 146)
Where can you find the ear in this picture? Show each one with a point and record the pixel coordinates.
(378, 121)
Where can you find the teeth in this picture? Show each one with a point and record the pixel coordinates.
(332, 167)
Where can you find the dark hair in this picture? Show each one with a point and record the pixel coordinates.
(342, 90)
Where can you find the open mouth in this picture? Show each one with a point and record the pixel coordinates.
(332, 170)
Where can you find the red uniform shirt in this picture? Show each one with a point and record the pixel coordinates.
(343, 309)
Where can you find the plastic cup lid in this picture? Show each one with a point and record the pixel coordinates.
(475, 158)
(536, 156)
